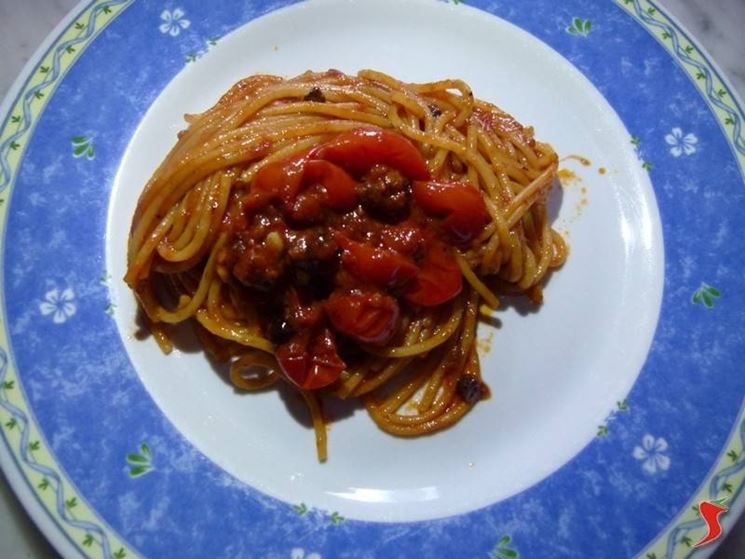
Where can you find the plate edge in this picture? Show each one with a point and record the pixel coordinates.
(47, 512)
(686, 525)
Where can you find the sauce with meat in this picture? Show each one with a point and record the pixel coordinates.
(333, 243)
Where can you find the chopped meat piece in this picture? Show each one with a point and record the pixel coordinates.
(471, 389)
(258, 267)
(315, 95)
(385, 193)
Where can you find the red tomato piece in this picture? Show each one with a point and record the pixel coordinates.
(406, 238)
(360, 149)
(439, 278)
(369, 317)
(459, 203)
(338, 185)
(274, 182)
(380, 266)
(310, 359)
(330, 186)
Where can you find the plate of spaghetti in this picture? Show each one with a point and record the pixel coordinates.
(372, 279)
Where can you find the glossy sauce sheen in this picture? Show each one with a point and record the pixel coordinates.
(334, 242)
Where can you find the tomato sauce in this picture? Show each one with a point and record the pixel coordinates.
(335, 243)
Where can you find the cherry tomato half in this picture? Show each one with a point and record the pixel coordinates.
(360, 149)
(439, 278)
(380, 266)
(369, 317)
(329, 186)
(310, 359)
(459, 203)
(273, 182)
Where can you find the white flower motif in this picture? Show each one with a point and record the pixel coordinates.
(173, 22)
(60, 305)
(681, 144)
(299, 553)
(652, 453)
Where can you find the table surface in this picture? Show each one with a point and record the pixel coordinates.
(717, 25)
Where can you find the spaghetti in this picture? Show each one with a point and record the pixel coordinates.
(341, 233)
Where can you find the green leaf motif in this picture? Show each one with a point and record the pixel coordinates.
(120, 553)
(88, 541)
(686, 540)
(43, 484)
(9, 384)
(651, 11)
(137, 471)
(721, 92)
(300, 509)
(106, 10)
(729, 120)
(707, 295)
(651, 556)
(70, 49)
(733, 456)
(708, 301)
(71, 503)
(689, 49)
(82, 146)
(38, 95)
(110, 308)
(700, 75)
(44, 69)
(647, 165)
(14, 145)
(728, 488)
(502, 549)
(79, 25)
(721, 501)
(666, 35)
(623, 405)
(336, 518)
(636, 140)
(11, 423)
(139, 464)
(580, 26)
(15, 119)
(36, 445)
(602, 430)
